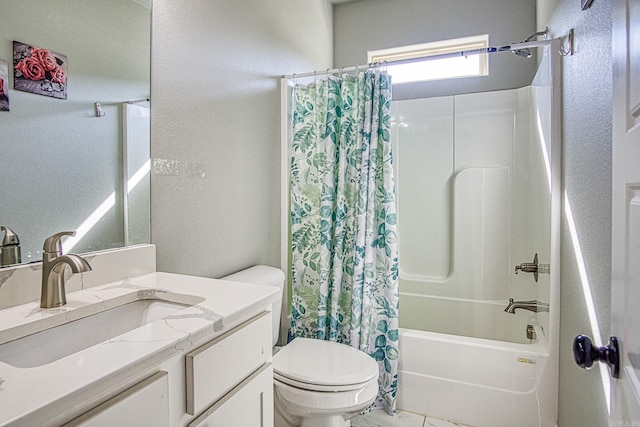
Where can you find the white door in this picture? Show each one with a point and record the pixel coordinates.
(625, 293)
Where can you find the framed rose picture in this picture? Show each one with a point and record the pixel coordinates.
(4, 86)
(39, 71)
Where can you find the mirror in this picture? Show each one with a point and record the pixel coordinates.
(79, 163)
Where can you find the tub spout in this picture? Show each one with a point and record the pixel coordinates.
(533, 305)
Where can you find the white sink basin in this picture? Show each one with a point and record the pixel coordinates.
(57, 342)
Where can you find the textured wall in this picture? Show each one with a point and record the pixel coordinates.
(379, 24)
(587, 103)
(216, 125)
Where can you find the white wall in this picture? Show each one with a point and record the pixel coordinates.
(587, 104)
(378, 24)
(544, 10)
(216, 124)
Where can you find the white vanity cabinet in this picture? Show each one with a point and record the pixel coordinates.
(249, 404)
(229, 380)
(225, 382)
(144, 404)
(215, 368)
(208, 364)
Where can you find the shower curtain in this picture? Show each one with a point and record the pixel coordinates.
(343, 219)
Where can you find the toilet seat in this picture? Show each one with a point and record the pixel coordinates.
(318, 365)
(320, 388)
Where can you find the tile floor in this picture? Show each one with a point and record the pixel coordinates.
(402, 419)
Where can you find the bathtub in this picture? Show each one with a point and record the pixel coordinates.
(483, 380)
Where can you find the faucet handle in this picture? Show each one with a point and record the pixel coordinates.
(10, 238)
(53, 243)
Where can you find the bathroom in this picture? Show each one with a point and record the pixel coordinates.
(215, 63)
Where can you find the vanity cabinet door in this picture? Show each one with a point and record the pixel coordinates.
(250, 404)
(218, 366)
(145, 404)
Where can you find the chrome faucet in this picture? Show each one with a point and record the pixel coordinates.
(533, 305)
(53, 266)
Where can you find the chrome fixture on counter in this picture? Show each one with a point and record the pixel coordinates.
(10, 249)
(533, 305)
(53, 266)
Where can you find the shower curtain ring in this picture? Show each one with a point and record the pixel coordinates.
(568, 52)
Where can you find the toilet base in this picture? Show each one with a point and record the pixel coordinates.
(282, 419)
(326, 422)
(334, 421)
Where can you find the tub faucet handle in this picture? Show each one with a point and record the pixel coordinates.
(529, 267)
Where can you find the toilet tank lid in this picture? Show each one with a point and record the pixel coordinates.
(259, 275)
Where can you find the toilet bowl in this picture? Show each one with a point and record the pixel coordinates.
(316, 383)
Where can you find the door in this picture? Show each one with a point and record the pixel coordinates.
(625, 293)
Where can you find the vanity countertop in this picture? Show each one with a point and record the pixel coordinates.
(219, 306)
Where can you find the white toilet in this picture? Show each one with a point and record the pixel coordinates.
(316, 383)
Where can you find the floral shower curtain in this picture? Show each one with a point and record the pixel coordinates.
(343, 219)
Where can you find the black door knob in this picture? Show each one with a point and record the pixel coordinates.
(585, 353)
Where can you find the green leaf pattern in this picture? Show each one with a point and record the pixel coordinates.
(343, 219)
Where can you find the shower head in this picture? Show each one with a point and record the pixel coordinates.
(526, 52)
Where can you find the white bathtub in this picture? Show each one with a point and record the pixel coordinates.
(469, 318)
(476, 381)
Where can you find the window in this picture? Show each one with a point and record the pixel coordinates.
(435, 69)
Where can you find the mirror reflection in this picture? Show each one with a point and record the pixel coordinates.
(80, 163)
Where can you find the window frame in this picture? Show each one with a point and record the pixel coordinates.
(441, 47)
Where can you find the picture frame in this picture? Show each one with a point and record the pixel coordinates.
(4, 85)
(39, 71)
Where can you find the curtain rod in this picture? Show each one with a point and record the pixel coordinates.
(490, 49)
(138, 100)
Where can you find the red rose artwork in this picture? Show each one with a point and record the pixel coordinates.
(4, 86)
(39, 71)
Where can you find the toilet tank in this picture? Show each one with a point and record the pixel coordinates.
(264, 275)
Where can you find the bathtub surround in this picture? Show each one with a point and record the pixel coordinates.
(344, 252)
(478, 191)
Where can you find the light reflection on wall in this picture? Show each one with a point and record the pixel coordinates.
(104, 207)
(588, 297)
